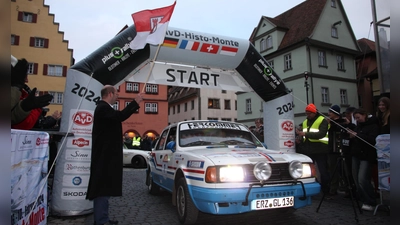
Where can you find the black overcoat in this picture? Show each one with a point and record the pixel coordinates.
(106, 159)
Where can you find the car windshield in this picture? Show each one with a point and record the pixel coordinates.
(216, 134)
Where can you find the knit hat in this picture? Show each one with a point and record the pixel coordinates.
(311, 108)
(335, 109)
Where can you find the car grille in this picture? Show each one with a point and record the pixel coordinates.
(280, 172)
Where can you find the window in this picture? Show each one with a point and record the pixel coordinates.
(179, 108)
(269, 42)
(226, 119)
(27, 17)
(325, 94)
(39, 42)
(14, 39)
(151, 107)
(57, 97)
(235, 104)
(333, 3)
(213, 103)
(262, 107)
(334, 32)
(340, 62)
(192, 103)
(185, 106)
(321, 59)
(173, 109)
(129, 87)
(227, 104)
(116, 105)
(54, 70)
(271, 63)
(248, 105)
(223, 91)
(343, 97)
(288, 62)
(212, 118)
(263, 45)
(32, 68)
(151, 88)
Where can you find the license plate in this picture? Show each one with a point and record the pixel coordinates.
(272, 203)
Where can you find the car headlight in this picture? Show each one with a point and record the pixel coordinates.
(224, 174)
(231, 174)
(262, 171)
(296, 169)
(308, 170)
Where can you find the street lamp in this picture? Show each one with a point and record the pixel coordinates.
(306, 85)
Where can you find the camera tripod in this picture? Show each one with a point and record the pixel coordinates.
(341, 161)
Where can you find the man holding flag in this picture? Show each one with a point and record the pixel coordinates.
(151, 26)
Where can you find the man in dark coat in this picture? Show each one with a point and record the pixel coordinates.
(106, 162)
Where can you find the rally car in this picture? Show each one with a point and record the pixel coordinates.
(220, 167)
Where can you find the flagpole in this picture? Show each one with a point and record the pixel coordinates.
(151, 67)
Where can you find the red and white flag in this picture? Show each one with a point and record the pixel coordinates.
(151, 26)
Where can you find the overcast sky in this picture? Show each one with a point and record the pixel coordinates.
(88, 24)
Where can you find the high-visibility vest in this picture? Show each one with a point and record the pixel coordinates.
(314, 129)
(136, 141)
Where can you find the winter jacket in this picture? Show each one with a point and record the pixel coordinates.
(17, 113)
(30, 120)
(366, 132)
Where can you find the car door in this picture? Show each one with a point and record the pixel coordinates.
(165, 169)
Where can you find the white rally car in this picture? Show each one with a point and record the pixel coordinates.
(220, 167)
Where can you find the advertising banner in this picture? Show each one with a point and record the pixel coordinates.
(29, 166)
(383, 151)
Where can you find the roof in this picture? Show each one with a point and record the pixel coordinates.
(366, 45)
(299, 21)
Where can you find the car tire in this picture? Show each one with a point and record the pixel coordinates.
(138, 162)
(152, 188)
(187, 211)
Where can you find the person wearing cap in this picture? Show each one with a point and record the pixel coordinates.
(315, 143)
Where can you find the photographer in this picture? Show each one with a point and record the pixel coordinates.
(48, 122)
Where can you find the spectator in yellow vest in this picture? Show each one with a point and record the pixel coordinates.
(136, 142)
(315, 143)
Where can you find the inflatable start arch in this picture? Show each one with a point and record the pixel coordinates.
(187, 58)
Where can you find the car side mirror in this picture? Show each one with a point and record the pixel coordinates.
(171, 146)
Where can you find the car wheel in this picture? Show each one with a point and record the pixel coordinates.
(187, 211)
(152, 188)
(138, 162)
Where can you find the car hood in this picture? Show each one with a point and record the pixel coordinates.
(224, 156)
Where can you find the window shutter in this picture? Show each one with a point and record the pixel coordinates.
(16, 40)
(46, 43)
(34, 18)
(20, 15)
(32, 42)
(35, 68)
(44, 69)
(64, 74)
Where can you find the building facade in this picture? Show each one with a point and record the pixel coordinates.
(36, 37)
(152, 116)
(201, 104)
(312, 48)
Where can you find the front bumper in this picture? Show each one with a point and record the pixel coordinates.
(238, 200)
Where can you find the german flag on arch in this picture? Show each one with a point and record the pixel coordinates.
(170, 42)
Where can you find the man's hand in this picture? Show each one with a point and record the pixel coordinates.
(34, 102)
(138, 98)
